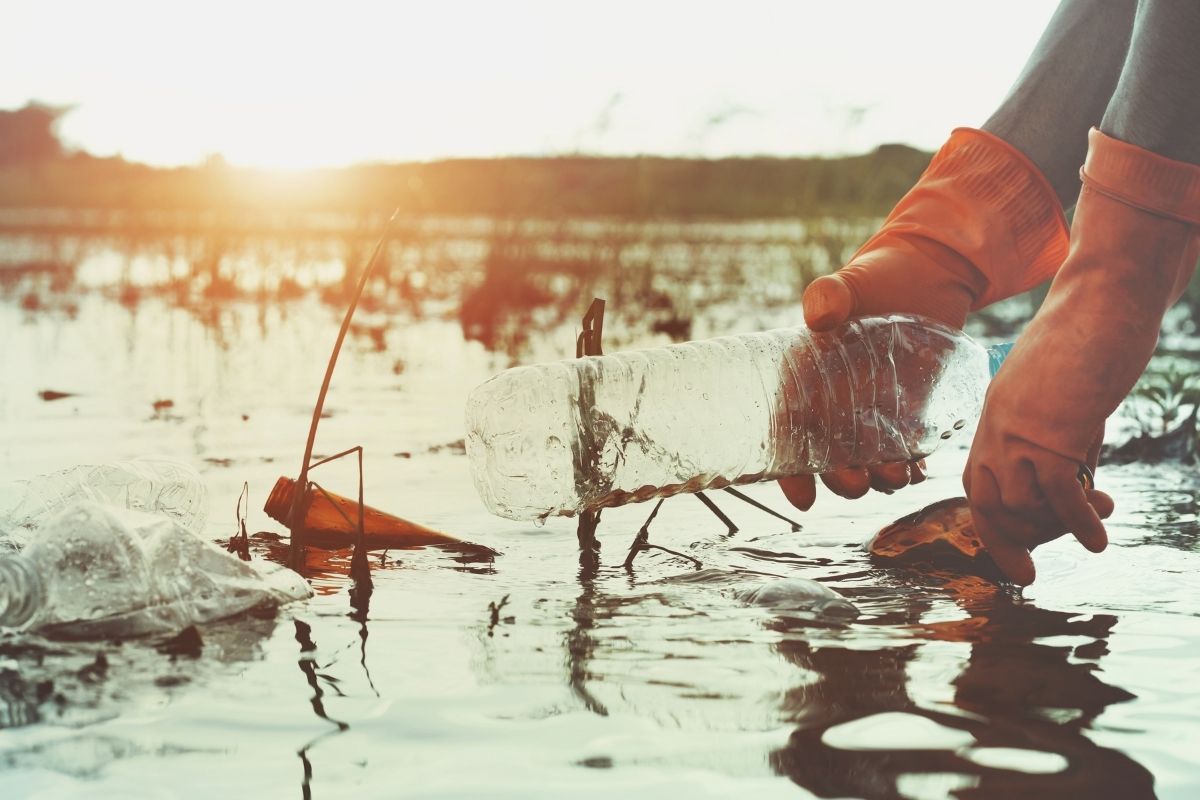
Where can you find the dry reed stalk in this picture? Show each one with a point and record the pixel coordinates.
(296, 517)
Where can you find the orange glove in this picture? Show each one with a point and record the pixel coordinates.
(980, 225)
(1134, 246)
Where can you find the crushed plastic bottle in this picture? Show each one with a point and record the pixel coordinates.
(154, 485)
(557, 439)
(800, 595)
(93, 565)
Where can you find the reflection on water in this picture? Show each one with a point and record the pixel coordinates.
(1012, 692)
(539, 673)
(504, 280)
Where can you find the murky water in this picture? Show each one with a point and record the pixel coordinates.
(650, 682)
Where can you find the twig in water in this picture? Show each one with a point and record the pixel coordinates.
(588, 343)
(360, 570)
(308, 666)
(703, 498)
(642, 542)
(494, 611)
(747, 499)
(295, 518)
(240, 542)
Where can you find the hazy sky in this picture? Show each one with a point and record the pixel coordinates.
(302, 84)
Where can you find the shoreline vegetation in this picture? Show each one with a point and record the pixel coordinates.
(37, 172)
(580, 186)
(508, 245)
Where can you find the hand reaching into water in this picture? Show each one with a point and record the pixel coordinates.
(980, 225)
(1134, 246)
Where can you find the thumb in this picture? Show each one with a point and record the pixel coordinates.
(828, 302)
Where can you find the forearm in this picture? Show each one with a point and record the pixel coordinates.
(1156, 104)
(1065, 88)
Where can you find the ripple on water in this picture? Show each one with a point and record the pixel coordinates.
(895, 730)
(1032, 762)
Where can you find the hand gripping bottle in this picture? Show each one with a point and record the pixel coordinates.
(584, 434)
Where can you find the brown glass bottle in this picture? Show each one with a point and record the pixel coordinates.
(325, 527)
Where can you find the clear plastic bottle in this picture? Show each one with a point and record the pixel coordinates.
(154, 485)
(560, 438)
(96, 570)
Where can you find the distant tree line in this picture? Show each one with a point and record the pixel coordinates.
(27, 135)
(36, 172)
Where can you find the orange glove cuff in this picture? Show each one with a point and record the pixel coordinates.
(985, 213)
(1142, 179)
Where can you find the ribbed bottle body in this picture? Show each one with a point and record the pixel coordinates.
(21, 592)
(556, 439)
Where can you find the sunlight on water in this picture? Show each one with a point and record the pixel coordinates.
(588, 682)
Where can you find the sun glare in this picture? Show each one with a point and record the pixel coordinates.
(304, 85)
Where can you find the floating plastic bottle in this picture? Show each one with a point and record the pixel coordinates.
(116, 550)
(154, 485)
(584, 434)
(95, 570)
(800, 595)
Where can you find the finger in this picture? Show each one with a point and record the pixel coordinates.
(889, 477)
(1028, 532)
(1069, 502)
(1023, 495)
(1102, 502)
(916, 472)
(800, 490)
(1011, 558)
(851, 482)
(828, 302)
(1031, 530)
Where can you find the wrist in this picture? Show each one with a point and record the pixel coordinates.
(986, 203)
(1030, 229)
(1142, 179)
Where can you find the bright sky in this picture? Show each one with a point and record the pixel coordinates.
(298, 84)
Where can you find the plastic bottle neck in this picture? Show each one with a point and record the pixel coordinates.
(996, 355)
(279, 503)
(21, 591)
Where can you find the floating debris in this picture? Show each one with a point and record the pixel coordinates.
(800, 595)
(940, 534)
(331, 521)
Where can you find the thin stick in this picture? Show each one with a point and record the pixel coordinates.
(588, 343)
(296, 549)
(643, 535)
(747, 499)
(703, 498)
(360, 570)
(240, 541)
(694, 561)
(641, 542)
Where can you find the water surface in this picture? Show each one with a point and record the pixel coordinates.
(588, 682)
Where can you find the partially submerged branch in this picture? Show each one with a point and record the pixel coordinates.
(295, 518)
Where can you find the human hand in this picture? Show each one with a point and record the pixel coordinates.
(853, 482)
(949, 246)
(1030, 496)
(869, 286)
(1081, 354)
